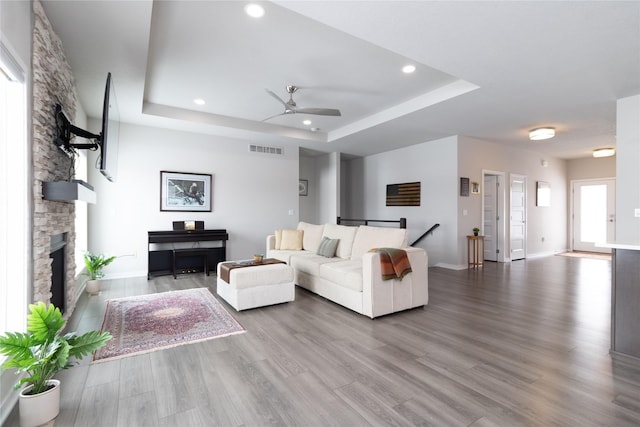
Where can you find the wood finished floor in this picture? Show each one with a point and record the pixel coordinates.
(520, 344)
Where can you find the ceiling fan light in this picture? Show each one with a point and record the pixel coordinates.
(541, 133)
(254, 10)
(604, 152)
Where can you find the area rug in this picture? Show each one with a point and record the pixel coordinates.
(592, 255)
(152, 322)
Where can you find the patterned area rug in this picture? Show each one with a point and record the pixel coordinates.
(152, 322)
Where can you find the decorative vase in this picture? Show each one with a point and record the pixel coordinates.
(93, 287)
(38, 409)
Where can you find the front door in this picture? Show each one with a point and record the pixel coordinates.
(594, 214)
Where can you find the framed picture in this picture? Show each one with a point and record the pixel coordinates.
(475, 188)
(303, 187)
(185, 192)
(543, 193)
(464, 187)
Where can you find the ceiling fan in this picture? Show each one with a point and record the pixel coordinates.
(290, 106)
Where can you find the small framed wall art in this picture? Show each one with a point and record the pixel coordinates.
(475, 188)
(303, 187)
(185, 192)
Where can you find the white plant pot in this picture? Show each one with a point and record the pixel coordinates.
(93, 287)
(38, 409)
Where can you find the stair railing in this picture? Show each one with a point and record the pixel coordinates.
(429, 231)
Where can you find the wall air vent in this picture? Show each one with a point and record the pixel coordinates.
(266, 150)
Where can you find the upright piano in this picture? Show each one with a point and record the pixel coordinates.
(163, 244)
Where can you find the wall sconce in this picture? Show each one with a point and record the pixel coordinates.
(541, 133)
(604, 152)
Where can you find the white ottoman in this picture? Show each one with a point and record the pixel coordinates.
(257, 285)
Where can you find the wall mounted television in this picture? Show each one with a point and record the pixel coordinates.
(106, 141)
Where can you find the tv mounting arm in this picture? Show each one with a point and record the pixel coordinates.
(65, 129)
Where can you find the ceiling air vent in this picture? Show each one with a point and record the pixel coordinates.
(266, 150)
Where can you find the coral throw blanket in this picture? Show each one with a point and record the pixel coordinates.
(393, 262)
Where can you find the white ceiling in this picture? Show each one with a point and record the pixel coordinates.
(489, 70)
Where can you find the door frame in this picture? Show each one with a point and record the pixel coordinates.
(525, 178)
(572, 210)
(501, 227)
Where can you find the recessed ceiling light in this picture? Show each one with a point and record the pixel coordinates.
(199, 101)
(307, 122)
(541, 133)
(408, 69)
(604, 152)
(254, 10)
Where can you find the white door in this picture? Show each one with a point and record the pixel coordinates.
(490, 224)
(518, 217)
(594, 214)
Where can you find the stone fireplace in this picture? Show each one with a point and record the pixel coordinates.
(58, 270)
(53, 83)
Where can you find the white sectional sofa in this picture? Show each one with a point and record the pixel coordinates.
(353, 277)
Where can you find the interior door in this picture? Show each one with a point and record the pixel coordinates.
(594, 216)
(490, 224)
(518, 217)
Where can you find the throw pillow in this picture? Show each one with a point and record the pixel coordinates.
(289, 240)
(328, 247)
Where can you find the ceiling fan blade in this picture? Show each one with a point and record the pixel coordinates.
(319, 111)
(278, 98)
(273, 117)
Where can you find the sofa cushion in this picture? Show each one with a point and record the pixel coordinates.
(344, 273)
(312, 235)
(289, 240)
(310, 263)
(377, 237)
(345, 234)
(328, 247)
(286, 255)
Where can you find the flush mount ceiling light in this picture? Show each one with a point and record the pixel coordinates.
(307, 122)
(541, 133)
(408, 69)
(604, 152)
(254, 10)
(199, 101)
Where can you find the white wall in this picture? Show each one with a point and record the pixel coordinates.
(591, 168)
(252, 193)
(308, 205)
(549, 223)
(628, 172)
(434, 164)
(327, 175)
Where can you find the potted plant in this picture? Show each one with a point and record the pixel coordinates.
(476, 230)
(41, 352)
(95, 263)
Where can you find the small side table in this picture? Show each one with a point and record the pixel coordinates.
(478, 251)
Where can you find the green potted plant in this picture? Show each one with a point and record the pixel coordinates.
(40, 353)
(476, 230)
(94, 264)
